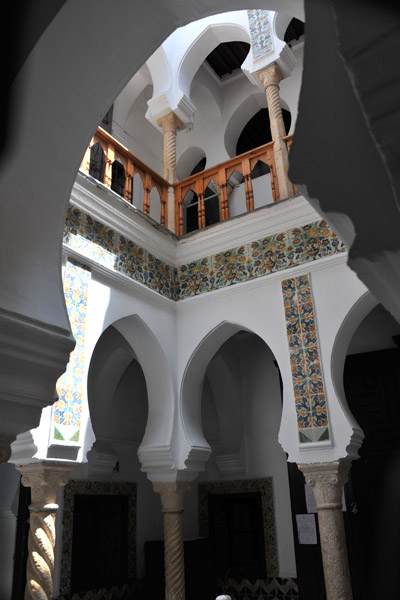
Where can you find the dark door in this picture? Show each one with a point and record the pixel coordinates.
(372, 386)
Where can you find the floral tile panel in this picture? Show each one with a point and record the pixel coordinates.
(68, 408)
(260, 32)
(271, 254)
(308, 383)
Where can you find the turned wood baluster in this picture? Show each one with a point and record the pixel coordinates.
(178, 210)
(223, 196)
(85, 165)
(163, 201)
(248, 184)
(129, 181)
(109, 161)
(201, 207)
(146, 197)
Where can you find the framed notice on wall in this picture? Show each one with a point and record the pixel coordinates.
(306, 529)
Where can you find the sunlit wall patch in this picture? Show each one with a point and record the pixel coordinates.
(308, 381)
(67, 411)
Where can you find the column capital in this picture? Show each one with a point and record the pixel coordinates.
(170, 122)
(172, 494)
(327, 480)
(44, 478)
(271, 75)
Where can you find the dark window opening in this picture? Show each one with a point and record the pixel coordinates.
(257, 132)
(236, 534)
(227, 57)
(259, 169)
(99, 553)
(199, 167)
(294, 30)
(211, 209)
(118, 178)
(97, 164)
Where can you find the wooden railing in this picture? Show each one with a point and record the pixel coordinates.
(115, 151)
(215, 178)
(219, 177)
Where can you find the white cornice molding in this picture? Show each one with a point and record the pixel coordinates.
(119, 280)
(160, 106)
(104, 205)
(247, 228)
(33, 355)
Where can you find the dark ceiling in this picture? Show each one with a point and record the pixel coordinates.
(294, 30)
(258, 132)
(228, 57)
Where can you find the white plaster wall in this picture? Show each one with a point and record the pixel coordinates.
(290, 86)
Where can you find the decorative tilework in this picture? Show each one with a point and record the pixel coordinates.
(268, 255)
(260, 32)
(308, 383)
(96, 488)
(68, 408)
(273, 588)
(267, 501)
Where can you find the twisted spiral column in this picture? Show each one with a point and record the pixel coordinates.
(327, 480)
(172, 507)
(270, 78)
(170, 123)
(43, 479)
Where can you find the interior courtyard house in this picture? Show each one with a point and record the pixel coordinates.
(199, 301)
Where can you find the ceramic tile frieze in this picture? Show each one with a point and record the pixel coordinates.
(264, 486)
(260, 32)
(308, 382)
(68, 408)
(273, 588)
(271, 254)
(95, 488)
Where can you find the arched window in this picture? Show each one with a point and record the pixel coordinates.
(118, 177)
(257, 131)
(97, 162)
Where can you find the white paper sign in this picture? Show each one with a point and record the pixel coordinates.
(310, 499)
(306, 529)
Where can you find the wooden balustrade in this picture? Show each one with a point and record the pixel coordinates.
(109, 152)
(218, 177)
(114, 151)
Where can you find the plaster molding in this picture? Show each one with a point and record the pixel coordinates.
(5, 448)
(230, 464)
(118, 279)
(158, 462)
(244, 229)
(160, 106)
(23, 449)
(101, 203)
(101, 459)
(33, 355)
(196, 459)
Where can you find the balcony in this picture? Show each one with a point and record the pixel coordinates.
(234, 187)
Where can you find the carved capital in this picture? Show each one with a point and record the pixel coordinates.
(327, 480)
(172, 495)
(170, 122)
(44, 480)
(271, 75)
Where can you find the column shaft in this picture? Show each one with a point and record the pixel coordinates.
(270, 78)
(43, 479)
(327, 480)
(170, 123)
(172, 507)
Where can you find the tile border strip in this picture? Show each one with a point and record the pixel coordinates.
(259, 258)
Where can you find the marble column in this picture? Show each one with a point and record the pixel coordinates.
(327, 480)
(170, 124)
(43, 478)
(270, 78)
(172, 494)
